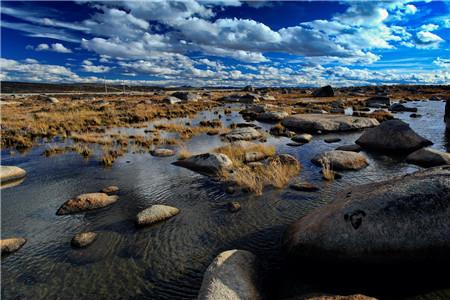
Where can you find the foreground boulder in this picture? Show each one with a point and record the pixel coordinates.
(155, 213)
(244, 133)
(428, 157)
(326, 122)
(85, 202)
(392, 136)
(207, 163)
(83, 239)
(405, 219)
(11, 173)
(11, 245)
(342, 160)
(231, 276)
(326, 91)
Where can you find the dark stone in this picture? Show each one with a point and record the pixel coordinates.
(332, 140)
(234, 206)
(326, 91)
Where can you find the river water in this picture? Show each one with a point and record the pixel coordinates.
(167, 260)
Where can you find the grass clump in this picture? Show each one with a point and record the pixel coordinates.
(237, 152)
(327, 171)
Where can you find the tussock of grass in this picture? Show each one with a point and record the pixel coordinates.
(187, 132)
(327, 172)
(237, 152)
(184, 153)
(275, 173)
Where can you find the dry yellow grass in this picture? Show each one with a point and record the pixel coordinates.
(237, 152)
(327, 171)
(184, 153)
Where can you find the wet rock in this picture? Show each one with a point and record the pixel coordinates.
(302, 138)
(11, 245)
(415, 115)
(397, 107)
(378, 101)
(332, 140)
(272, 116)
(401, 220)
(234, 206)
(279, 130)
(353, 148)
(392, 136)
(325, 91)
(112, 189)
(172, 100)
(428, 157)
(245, 133)
(85, 202)
(295, 144)
(327, 123)
(155, 213)
(186, 96)
(161, 152)
(11, 173)
(207, 163)
(304, 187)
(231, 276)
(83, 239)
(342, 160)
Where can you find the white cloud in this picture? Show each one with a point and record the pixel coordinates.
(56, 47)
(429, 27)
(88, 66)
(426, 39)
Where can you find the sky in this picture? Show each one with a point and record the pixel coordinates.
(226, 42)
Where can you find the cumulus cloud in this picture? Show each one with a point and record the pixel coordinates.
(426, 39)
(88, 66)
(56, 47)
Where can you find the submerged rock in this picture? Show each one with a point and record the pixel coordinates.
(327, 123)
(332, 140)
(244, 133)
(325, 91)
(11, 245)
(429, 157)
(398, 107)
(392, 136)
(208, 163)
(353, 148)
(231, 276)
(342, 160)
(86, 202)
(401, 220)
(234, 206)
(304, 187)
(161, 152)
(112, 189)
(155, 213)
(11, 173)
(83, 239)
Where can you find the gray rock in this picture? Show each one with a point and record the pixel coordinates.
(186, 96)
(11, 173)
(332, 140)
(83, 239)
(354, 148)
(325, 91)
(207, 163)
(302, 138)
(392, 136)
(401, 220)
(398, 107)
(234, 206)
(161, 152)
(254, 156)
(172, 100)
(272, 116)
(378, 101)
(86, 202)
(112, 189)
(11, 245)
(249, 98)
(244, 133)
(304, 187)
(327, 123)
(231, 276)
(428, 157)
(155, 213)
(342, 160)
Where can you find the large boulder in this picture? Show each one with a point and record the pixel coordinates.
(428, 157)
(186, 96)
(207, 163)
(11, 245)
(325, 91)
(85, 202)
(392, 136)
(231, 276)
(244, 133)
(326, 122)
(342, 160)
(155, 213)
(11, 173)
(378, 101)
(447, 113)
(401, 220)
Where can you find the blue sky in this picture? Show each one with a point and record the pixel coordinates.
(227, 42)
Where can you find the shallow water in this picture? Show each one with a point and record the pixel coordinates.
(167, 260)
